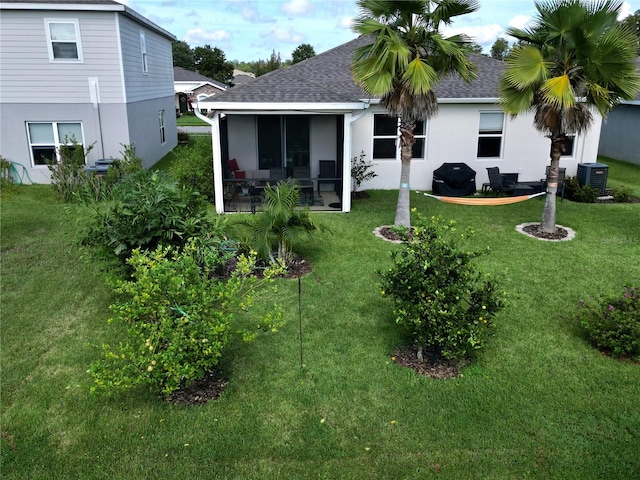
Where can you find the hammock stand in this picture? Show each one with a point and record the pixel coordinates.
(484, 201)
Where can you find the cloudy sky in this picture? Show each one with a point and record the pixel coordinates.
(248, 30)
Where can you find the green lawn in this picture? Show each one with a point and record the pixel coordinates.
(190, 120)
(539, 403)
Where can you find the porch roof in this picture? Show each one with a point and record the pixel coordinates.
(326, 79)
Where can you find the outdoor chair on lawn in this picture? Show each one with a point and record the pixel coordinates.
(507, 183)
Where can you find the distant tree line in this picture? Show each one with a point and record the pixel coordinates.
(212, 62)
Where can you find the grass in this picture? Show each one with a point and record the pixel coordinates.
(538, 403)
(189, 119)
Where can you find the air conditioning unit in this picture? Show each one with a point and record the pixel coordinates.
(593, 175)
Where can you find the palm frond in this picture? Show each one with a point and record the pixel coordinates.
(447, 10)
(419, 77)
(513, 100)
(525, 68)
(558, 92)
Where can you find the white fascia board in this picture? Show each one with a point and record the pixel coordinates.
(92, 7)
(376, 101)
(238, 107)
(469, 100)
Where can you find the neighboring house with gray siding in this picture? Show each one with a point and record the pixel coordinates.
(620, 135)
(92, 69)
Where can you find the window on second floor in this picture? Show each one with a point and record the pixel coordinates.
(143, 52)
(490, 134)
(63, 40)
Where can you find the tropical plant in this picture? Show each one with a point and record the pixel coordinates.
(408, 56)
(280, 223)
(574, 57)
(148, 209)
(68, 171)
(438, 292)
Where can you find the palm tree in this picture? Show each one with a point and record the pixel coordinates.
(406, 59)
(575, 58)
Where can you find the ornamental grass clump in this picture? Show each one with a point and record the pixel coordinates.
(439, 293)
(612, 324)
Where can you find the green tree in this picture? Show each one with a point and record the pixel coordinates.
(633, 22)
(212, 63)
(476, 48)
(302, 52)
(408, 56)
(183, 55)
(575, 57)
(500, 49)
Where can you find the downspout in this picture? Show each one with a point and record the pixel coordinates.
(346, 155)
(218, 190)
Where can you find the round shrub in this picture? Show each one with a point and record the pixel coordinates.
(612, 324)
(439, 294)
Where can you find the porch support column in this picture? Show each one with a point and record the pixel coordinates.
(218, 188)
(346, 164)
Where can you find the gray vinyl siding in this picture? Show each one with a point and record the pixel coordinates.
(158, 81)
(619, 135)
(28, 76)
(144, 128)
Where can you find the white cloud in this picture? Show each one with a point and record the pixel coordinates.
(197, 36)
(625, 11)
(520, 21)
(346, 22)
(484, 35)
(298, 7)
(276, 34)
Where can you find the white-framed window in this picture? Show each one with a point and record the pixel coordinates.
(46, 138)
(385, 136)
(63, 40)
(163, 137)
(143, 53)
(490, 134)
(569, 143)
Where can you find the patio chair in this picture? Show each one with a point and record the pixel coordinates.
(507, 183)
(327, 170)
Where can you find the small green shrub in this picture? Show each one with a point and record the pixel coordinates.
(361, 170)
(579, 193)
(439, 294)
(68, 174)
(148, 209)
(612, 324)
(622, 194)
(178, 320)
(193, 166)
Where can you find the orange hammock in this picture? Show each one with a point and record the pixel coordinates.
(483, 201)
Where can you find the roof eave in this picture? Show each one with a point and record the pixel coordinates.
(248, 107)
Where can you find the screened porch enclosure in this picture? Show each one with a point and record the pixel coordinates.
(260, 150)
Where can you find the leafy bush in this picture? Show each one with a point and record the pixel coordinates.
(579, 193)
(6, 183)
(439, 294)
(622, 194)
(68, 174)
(148, 209)
(280, 223)
(178, 320)
(612, 324)
(361, 170)
(193, 166)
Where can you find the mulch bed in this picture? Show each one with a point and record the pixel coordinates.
(534, 230)
(441, 368)
(208, 388)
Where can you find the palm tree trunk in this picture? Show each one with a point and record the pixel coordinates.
(548, 223)
(403, 207)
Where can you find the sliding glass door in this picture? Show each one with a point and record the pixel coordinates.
(284, 145)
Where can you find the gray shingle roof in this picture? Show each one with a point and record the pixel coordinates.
(183, 75)
(327, 78)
